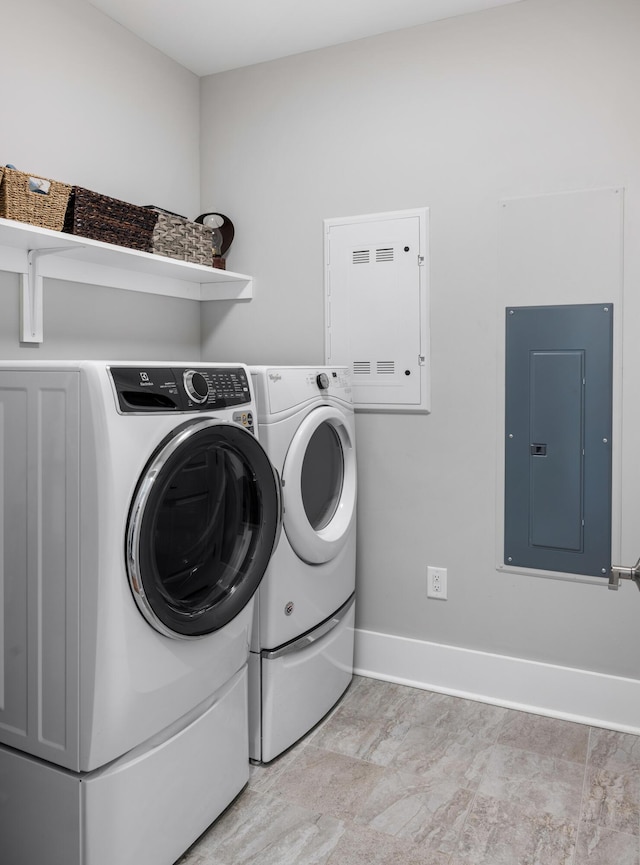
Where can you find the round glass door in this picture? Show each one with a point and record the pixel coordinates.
(319, 486)
(203, 524)
(322, 476)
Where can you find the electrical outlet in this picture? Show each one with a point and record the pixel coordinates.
(437, 583)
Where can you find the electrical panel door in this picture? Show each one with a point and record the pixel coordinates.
(376, 280)
(559, 366)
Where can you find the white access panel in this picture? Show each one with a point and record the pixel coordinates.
(377, 309)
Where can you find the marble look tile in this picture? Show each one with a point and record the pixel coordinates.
(372, 720)
(360, 846)
(367, 738)
(453, 740)
(327, 782)
(612, 799)
(264, 775)
(399, 776)
(506, 833)
(598, 846)
(426, 813)
(543, 784)
(463, 716)
(609, 748)
(439, 757)
(549, 736)
(374, 699)
(257, 828)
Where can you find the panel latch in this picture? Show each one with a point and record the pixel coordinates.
(538, 450)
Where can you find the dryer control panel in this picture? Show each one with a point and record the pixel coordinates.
(144, 389)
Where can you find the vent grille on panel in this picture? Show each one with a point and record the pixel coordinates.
(384, 254)
(378, 367)
(363, 256)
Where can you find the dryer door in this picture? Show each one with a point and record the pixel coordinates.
(204, 521)
(319, 486)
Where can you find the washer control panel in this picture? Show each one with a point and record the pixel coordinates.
(146, 389)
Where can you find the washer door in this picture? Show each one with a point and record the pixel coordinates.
(204, 521)
(319, 486)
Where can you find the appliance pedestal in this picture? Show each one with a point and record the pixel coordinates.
(132, 811)
(298, 688)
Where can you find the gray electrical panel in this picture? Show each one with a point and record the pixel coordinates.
(558, 405)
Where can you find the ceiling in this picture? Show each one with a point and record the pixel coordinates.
(208, 36)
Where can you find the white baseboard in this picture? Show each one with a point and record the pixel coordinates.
(585, 697)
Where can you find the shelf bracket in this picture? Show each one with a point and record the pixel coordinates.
(31, 295)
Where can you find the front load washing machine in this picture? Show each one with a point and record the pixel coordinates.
(301, 659)
(138, 513)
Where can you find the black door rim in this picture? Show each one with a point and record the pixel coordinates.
(233, 442)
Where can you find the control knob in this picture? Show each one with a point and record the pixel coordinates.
(322, 380)
(196, 386)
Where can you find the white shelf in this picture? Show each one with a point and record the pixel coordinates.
(39, 252)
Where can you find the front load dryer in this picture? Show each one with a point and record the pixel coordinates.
(301, 659)
(138, 513)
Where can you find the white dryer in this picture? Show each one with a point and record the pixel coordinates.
(138, 513)
(301, 658)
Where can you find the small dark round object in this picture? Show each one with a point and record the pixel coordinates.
(196, 386)
(223, 224)
(199, 384)
(406, 249)
(407, 372)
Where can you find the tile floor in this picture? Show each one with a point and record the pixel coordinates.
(400, 776)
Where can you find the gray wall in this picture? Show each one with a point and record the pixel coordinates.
(533, 98)
(87, 103)
(538, 97)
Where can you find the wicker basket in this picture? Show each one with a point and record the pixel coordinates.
(99, 217)
(45, 209)
(177, 237)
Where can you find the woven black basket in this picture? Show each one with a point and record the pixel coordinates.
(99, 217)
